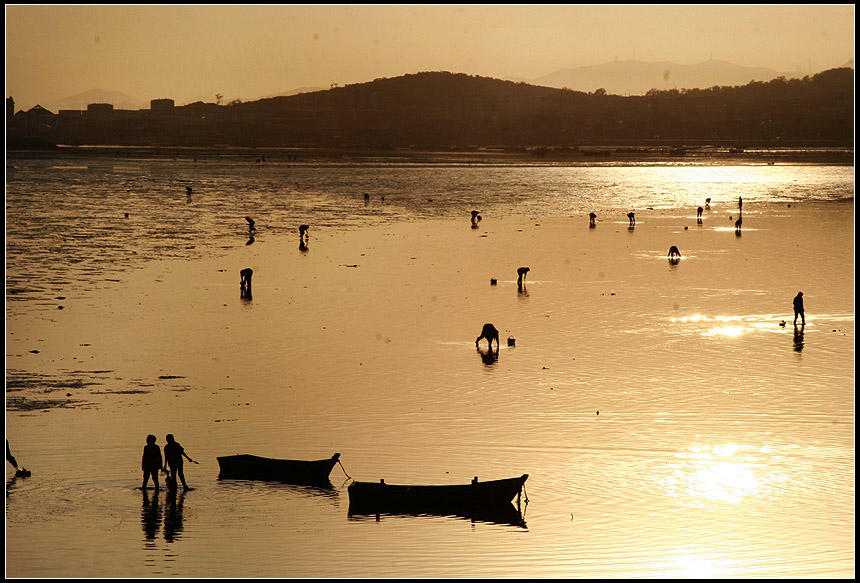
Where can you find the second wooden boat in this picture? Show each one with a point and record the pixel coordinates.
(370, 497)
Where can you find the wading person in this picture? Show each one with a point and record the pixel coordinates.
(173, 454)
(798, 309)
(9, 457)
(151, 463)
(490, 333)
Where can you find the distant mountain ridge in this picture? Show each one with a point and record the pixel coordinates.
(293, 92)
(631, 77)
(439, 109)
(625, 77)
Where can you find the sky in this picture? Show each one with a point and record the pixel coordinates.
(193, 52)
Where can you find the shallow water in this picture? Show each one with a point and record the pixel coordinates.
(669, 425)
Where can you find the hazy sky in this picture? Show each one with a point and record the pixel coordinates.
(193, 52)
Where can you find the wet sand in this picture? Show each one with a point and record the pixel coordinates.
(365, 344)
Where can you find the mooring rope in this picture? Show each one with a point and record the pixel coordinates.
(344, 469)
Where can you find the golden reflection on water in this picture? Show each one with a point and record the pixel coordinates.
(720, 330)
(711, 475)
(693, 566)
(725, 331)
(732, 326)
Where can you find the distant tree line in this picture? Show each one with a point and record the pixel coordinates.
(443, 110)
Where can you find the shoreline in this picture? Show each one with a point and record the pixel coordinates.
(575, 155)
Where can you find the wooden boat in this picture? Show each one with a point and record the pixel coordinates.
(252, 467)
(458, 499)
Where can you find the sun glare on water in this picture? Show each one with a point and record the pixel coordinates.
(694, 567)
(711, 475)
(724, 331)
(731, 326)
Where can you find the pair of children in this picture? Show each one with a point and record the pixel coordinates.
(152, 463)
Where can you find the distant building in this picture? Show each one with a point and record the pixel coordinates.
(36, 121)
(70, 122)
(161, 105)
(99, 109)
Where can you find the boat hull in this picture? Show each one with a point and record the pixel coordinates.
(462, 499)
(252, 467)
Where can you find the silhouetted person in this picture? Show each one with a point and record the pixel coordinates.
(738, 224)
(245, 283)
(9, 457)
(188, 191)
(366, 198)
(490, 333)
(699, 212)
(303, 231)
(19, 472)
(173, 454)
(740, 204)
(476, 218)
(674, 253)
(632, 218)
(521, 275)
(798, 309)
(252, 225)
(592, 219)
(708, 203)
(151, 463)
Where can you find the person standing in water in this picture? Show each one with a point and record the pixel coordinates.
(798, 309)
(151, 463)
(9, 457)
(173, 454)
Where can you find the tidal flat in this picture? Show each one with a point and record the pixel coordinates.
(669, 424)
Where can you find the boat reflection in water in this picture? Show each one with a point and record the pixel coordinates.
(320, 490)
(478, 501)
(504, 514)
